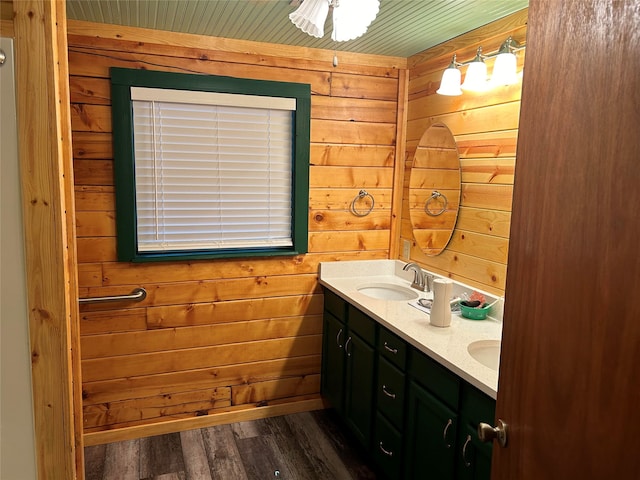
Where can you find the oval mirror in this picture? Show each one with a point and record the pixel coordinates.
(434, 189)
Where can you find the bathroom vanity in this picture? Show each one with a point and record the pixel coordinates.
(411, 393)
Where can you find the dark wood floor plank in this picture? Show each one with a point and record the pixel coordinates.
(262, 460)
(222, 453)
(194, 453)
(161, 455)
(304, 446)
(351, 455)
(317, 446)
(169, 476)
(291, 450)
(122, 461)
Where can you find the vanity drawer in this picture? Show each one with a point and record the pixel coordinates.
(477, 406)
(437, 379)
(393, 348)
(391, 392)
(334, 304)
(387, 448)
(361, 324)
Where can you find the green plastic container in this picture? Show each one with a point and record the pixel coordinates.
(475, 313)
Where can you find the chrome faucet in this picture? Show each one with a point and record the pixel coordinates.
(421, 280)
(427, 281)
(418, 278)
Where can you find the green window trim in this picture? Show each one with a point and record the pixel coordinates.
(123, 79)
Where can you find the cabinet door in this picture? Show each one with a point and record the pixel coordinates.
(474, 460)
(359, 385)
(475, 457)
(431, 436)
(333, 361)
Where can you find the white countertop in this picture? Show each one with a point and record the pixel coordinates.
(448, 345)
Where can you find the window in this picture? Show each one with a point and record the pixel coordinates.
(209, 166)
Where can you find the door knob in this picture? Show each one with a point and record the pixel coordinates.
(487, 433)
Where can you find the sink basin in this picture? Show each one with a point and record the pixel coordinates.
(487, 352)
(387, 291)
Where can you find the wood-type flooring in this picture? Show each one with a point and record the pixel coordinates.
(310, 445)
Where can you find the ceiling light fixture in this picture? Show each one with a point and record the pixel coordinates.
(504, 71)
(351, 18)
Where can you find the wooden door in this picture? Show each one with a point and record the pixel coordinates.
(570, 368)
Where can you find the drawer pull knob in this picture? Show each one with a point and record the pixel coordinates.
(389, 349)
(444, 434)
(387, 393)
(385, 451)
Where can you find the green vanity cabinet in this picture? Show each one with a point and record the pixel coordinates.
(358, 401)
(390, 392)
(474, 460)
(333, 358)
(348, 365)
(416, 418)
(432, 420)
(333, 361)
(387, 448)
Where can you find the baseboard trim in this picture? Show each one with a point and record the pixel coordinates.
(235, 414)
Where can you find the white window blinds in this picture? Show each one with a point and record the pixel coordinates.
(212, 171)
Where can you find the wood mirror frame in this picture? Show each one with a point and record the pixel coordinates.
(434, 189)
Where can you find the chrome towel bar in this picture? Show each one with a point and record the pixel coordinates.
(137, 295)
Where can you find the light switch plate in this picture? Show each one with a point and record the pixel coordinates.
(406, 249)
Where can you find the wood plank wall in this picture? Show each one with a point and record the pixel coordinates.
(485, 126)
(46, 171)
(224, 335)
(6, 18)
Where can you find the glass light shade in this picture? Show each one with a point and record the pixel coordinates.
(351, 18)
(476, 77)
(311, 16)
(504, 70)
(450, 83)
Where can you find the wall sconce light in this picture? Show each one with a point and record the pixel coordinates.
(450, 83)
(504, 71)
(476, 77)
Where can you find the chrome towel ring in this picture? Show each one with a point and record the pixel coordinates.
(362, 196)
(435, 195)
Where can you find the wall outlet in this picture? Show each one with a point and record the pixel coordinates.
(406, 249)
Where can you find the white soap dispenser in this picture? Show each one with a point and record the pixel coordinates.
(441, 308)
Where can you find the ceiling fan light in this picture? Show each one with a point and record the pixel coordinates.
(351, 18)
(450, 83)
(311, 16)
